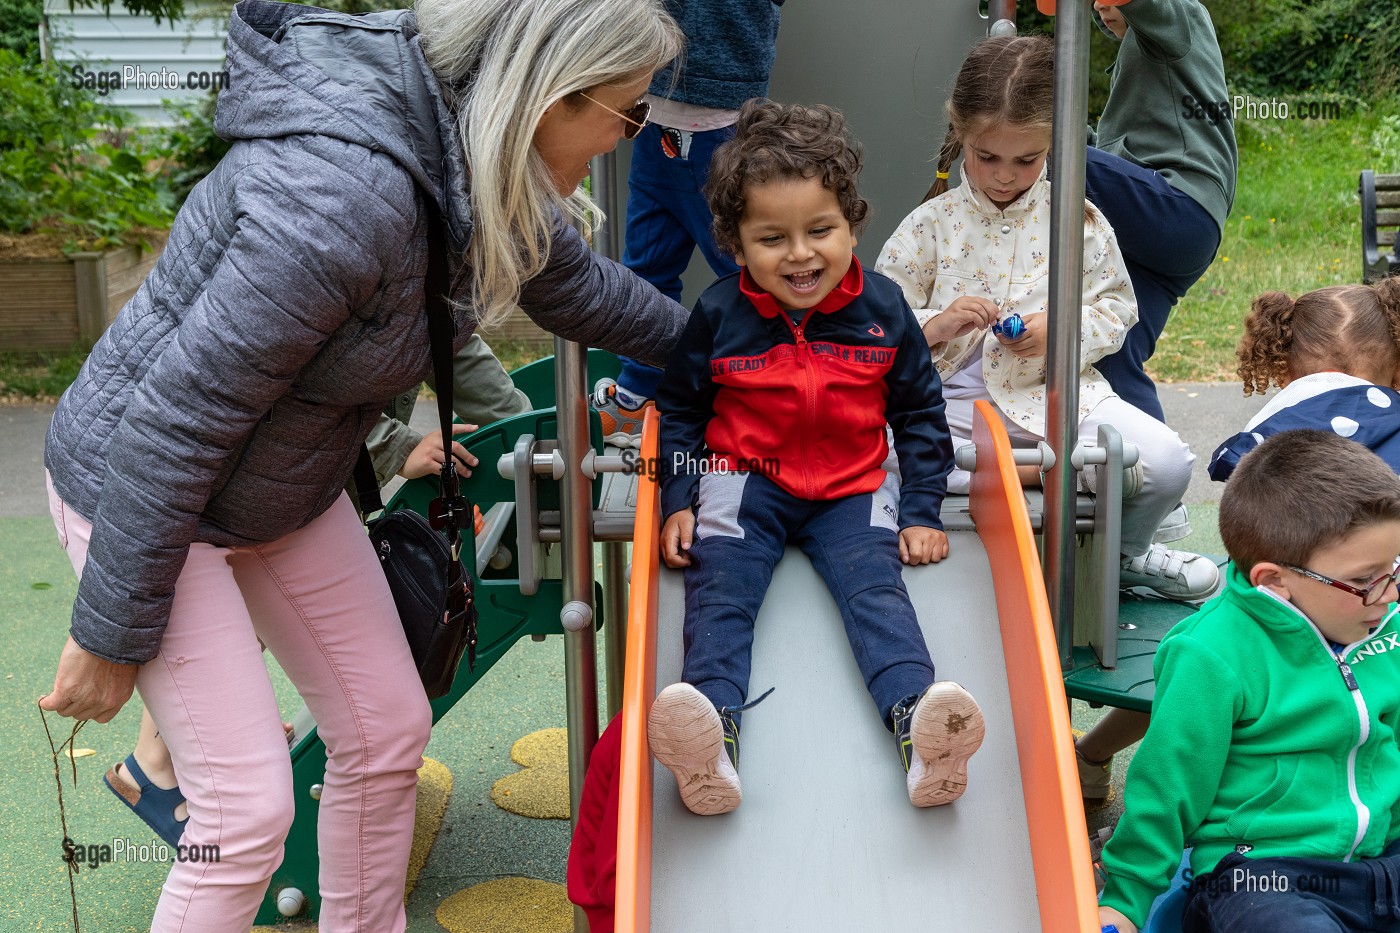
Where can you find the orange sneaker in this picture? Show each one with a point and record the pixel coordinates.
(622, 427)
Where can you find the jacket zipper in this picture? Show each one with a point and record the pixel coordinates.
(809, 395)
(1363, 813)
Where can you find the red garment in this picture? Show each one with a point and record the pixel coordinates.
(592, 869)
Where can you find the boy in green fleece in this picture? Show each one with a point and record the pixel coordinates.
(1272, 749)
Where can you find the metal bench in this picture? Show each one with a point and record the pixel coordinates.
(1380, 217)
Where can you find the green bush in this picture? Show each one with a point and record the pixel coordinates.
(70, 165)
(192, 147)
(1349, 48)
(19, 27)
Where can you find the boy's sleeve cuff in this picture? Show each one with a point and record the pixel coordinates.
(1131, 898)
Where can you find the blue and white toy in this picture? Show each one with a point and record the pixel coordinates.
(1012, 327)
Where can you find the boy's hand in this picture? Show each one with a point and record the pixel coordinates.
(1032, 343)
(919, 544)
(676, 537)
(426, 458)
(963, 315)
(1108, 915)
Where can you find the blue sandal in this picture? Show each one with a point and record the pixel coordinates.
(155, 805)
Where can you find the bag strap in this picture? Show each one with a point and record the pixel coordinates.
(451, 508)
(441, 328)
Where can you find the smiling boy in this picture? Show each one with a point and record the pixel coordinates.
(798, 362)
(1272, 749)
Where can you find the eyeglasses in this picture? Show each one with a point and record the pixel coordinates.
(636, 117)
(1371, 595)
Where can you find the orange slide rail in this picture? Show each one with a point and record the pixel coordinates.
(1059, 838)
(633, 913)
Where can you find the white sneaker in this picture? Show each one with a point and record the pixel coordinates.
(687, 735)
(1174, 574)
(1174, 527)
(946, 729)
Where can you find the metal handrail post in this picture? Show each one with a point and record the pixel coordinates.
(607, 240)
(1066, 297)
(576, 538)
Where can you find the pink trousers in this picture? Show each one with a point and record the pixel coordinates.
(318, 601)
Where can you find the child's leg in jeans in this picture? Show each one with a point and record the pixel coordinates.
(853, 544)
(1168, 241)
(740, 533)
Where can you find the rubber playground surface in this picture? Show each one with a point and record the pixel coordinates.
(493, 830)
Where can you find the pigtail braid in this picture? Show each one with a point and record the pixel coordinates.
(1265, 348)
(1388, 297)
(946, 156)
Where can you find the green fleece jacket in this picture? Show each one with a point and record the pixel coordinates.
(1257, 740)
(1168, 108)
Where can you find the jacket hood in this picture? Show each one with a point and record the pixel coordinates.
(1103, 27)
(297, 69)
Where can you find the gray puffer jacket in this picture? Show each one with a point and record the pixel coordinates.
(227, 402)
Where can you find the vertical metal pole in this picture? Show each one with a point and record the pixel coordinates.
(607, 240)
(615, 620)
(1066, 295)
(576, 530)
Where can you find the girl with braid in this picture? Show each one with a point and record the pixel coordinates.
(972, 257)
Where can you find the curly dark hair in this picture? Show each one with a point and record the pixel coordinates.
(1347, 328)
(783, 141)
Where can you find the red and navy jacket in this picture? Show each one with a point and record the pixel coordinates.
(806, 403)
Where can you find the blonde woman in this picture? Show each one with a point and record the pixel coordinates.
(197, 465)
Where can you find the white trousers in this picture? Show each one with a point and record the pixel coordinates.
(1165, 458)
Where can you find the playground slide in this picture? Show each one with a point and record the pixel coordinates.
(826, 838)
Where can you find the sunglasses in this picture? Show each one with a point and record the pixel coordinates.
(636, 117)
(1371, 595)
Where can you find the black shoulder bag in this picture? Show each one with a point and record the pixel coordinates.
(422, 564)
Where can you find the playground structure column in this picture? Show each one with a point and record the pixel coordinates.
(1066, 296)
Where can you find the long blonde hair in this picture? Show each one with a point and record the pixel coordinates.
(506, 62)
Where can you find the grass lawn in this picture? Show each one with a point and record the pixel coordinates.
(1295, 227)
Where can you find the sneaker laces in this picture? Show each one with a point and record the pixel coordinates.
(731, 727)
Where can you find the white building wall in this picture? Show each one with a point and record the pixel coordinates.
(136, 60)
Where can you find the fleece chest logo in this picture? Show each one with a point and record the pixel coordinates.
(1389, 642)
(875, 330)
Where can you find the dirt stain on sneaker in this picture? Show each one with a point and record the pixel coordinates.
(956, 723)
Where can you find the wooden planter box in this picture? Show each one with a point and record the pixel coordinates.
(53, 304)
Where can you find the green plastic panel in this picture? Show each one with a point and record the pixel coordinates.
(1130, 684)
(537, 379)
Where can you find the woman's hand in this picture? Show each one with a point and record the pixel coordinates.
(89, 687)
(963, 315)
(1033, 342)
(676, 537)
(919, 544)
(426, 458)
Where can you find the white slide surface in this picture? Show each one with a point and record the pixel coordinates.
(826, 839)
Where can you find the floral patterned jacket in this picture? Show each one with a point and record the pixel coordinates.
(960, 243)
